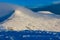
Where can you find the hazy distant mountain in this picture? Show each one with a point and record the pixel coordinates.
(54, 8)
(5, 11)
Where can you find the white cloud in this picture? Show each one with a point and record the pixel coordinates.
(57, 2)
(45, 12)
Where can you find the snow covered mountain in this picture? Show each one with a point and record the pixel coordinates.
(25, 19)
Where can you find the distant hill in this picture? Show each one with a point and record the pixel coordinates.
(55, 8)
(5, 11)
(4, 17)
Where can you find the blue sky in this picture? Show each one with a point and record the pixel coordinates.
(30, 3)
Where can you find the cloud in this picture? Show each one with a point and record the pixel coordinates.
(56, 2)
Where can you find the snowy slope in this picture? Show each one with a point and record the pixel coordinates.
(25, 19)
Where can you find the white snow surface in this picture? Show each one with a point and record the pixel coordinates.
(25, 19)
